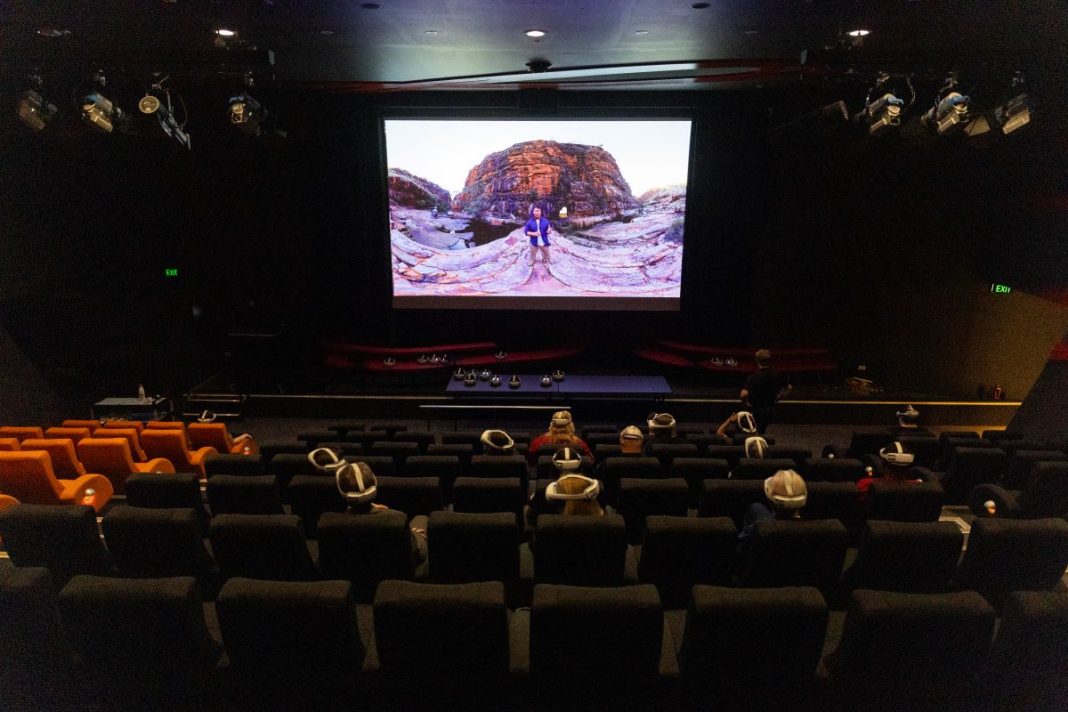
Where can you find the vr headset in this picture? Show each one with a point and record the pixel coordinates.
(565, 459)
(793, 498)
(327, 460)
(896, 455)
(592, 489)
(660, 421)
(206, 417)
(561, 419)
(497, 440)
(746, 422)
(756, 447)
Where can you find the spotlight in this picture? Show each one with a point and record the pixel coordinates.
(884, 113)
(950, 112)
(1016, 112)
(246, 113)
(32, 108)
(99, 111)
(151, 104)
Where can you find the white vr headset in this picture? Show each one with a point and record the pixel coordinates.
(497, 440)
(746, 422)
(206, 417)
(592, 489)
(566, 459)
(668, 421)
(366, 486)
(790, 500)
(896, 455)
(756, 446)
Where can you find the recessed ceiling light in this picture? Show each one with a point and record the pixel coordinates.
(432, 32)
(859, 33)
(536, 34)
(223, 32)
(52, 32)
(752, 32)
(326, 32)
(641, 33)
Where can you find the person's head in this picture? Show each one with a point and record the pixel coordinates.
(357, 484)
(661, 425)
(577, 492)
(756, 447)
(535, 212)
(763, 358)
(897, 461)
(497, 442)
(786, 492)
(631, 439)
(746, 422)
(561, 427)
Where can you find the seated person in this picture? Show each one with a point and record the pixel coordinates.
(740, 422)
(578, 492)
(358, 485)
(497, 442)
(755, 448)
(661, 431)
(896, 465)
(561, 432)
(631, 441)
(786, 493)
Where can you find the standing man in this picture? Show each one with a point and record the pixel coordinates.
(538, 227)
(762, 391)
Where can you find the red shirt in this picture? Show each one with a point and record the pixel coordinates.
(542, 440)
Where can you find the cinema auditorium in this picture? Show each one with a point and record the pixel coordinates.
(534, 355)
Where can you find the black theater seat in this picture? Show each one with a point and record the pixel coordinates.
(462, 451)
(312, 495)
(365, 549)
(238, 494)
(641, 498)
(695, 470)
(262, 546)
(580, 550)
(787, 452)
(730, 453)
(61, 538)
(910, 557)
(904, 502)
(796, 553)
(422, 438)
(166, 491)
(667, 452)
(445, 467)
(678, 552)
(233, 465)
(498, 466)
(751, 468)
(1006, 555)
(832, 469)
(488, 494)
(730, 498)
(1046, 496)
(414, 495)
(1019, 472)
(833, 500)
(465, 548)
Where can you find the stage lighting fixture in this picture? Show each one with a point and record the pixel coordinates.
(246, 113)
(1016, 112)
(100, 112)
(883, 108)
(151, 104)
(32, 108)
(950, 112)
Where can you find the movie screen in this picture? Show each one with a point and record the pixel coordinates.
(537, 214)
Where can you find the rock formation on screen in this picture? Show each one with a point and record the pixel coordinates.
(415, 192)
(584, 179)
(666, 199)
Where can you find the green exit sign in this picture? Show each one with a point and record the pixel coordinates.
(1000, 289)
(170, 272)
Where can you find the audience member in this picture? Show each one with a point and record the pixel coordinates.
(740, 422)
(561, 433)
(762, 390)
(631, 440)
(497, 442)
(786, 493)
(661, 430)
(577, 491)
(896, 465)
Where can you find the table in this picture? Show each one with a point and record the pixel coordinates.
(131, 408)
(622, 386)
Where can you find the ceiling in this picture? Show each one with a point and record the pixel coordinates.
(400, 42)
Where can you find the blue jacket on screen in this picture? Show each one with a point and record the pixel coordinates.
(542, 226)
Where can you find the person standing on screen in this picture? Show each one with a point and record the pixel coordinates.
(762, 391)
(538, 227)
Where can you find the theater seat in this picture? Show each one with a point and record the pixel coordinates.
(904, 502)
(640, 498)
(488, 494)
(679, 552)
(832, 469)
(28, 477)
(750, 468)
(170, 444)
(221, 464)
(262, 546)
(910, 557)
(65, 464)
(65, 540)
(796, 553)
(75, 434)
(1046, 496)
(20, 432)
(217, 435)
(365, 549)
(124, 425)
(1006, 555)
(130, 436)
(90, 424)
(168, 491)
(111, 458)
(730, 498)
(9, 444)
(466, 547)
(241, 494)
(310, 496)
(580, 550)
(142, 643)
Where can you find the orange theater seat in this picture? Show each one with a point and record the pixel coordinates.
(7, 500)
(9, 444)
(28, 477)
(130, 436)
(74, 434)
(65, 463)
(91, 424)
(217, 436)
(21, 432)
(171, 445)
(135, 424)
(111, 458)
(169, 425)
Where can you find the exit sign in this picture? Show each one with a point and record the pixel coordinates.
(1000, 289)
(170, 272)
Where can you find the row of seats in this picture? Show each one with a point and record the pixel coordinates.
(676, 552)
(308, 645)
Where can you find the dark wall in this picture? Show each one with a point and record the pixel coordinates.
(881, 251)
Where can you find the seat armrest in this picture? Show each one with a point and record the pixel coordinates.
(197, 456)
(75, 491)
(925, 474)
(157, 464)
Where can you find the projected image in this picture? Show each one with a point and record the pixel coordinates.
(551, 209)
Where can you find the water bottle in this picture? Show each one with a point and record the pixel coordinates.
(141, 393)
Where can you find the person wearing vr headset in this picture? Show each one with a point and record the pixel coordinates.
(577, 491)
(908, 423)
(561, 433)
(359, 486)
(762, 390)
(661, 431)
(740, 422)
(497, 442)
(786, 494)
(896, 465)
